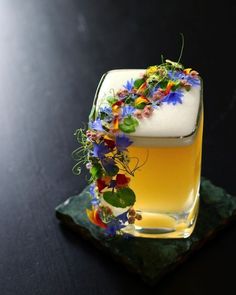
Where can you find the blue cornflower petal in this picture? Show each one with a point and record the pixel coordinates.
(129, 85)
(123, 217)
(96, 125)
(174, 75)
(193, 81)
(173, 97)
(122, 142)
(111, 230)
(94, 201)
(113, 226)
(92, 189)
(127, 110)
(107, 110)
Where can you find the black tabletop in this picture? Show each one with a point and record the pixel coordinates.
(52, 55)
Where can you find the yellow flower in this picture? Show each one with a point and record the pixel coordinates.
(187, 71)
(170, 84)
(140, 100)
(151, 70)
(108, 137)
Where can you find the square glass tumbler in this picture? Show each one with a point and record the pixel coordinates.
(168, 146)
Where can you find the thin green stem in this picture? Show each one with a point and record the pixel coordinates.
(182, 47)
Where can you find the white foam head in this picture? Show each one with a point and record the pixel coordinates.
(168, 120)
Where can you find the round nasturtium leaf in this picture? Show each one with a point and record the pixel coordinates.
(124, 197)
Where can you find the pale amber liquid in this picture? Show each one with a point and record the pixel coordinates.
(169, 180)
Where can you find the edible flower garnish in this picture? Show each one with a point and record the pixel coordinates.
(104, 145)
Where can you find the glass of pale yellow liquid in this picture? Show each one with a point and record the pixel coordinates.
(169, 144)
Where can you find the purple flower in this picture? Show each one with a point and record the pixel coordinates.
(173, 97)
(96, 125)
(129, 85)
(113, 226)
(112, 183)
(127, 110)
(110, 166)
(122, 142)
(100, 149)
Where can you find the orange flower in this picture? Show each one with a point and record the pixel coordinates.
(187, 71)
(116, 109)
(116, 124)
(142, 88)
(93, 216)
(169, 86)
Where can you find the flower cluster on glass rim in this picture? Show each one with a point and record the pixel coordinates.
(104, 144)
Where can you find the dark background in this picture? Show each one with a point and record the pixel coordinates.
(52, 55)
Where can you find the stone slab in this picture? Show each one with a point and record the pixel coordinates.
(153, 258)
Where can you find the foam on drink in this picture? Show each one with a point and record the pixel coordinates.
(167, 121)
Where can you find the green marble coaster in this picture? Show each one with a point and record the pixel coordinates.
(153, 258)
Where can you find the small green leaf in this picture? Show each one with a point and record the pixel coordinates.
(146, 91)
(112, 100)
(129, 100)
(141, 106)
(129, 124)
(138, 83)
(126, 128)
(96, 171)
(131, 121)
(122, 198)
